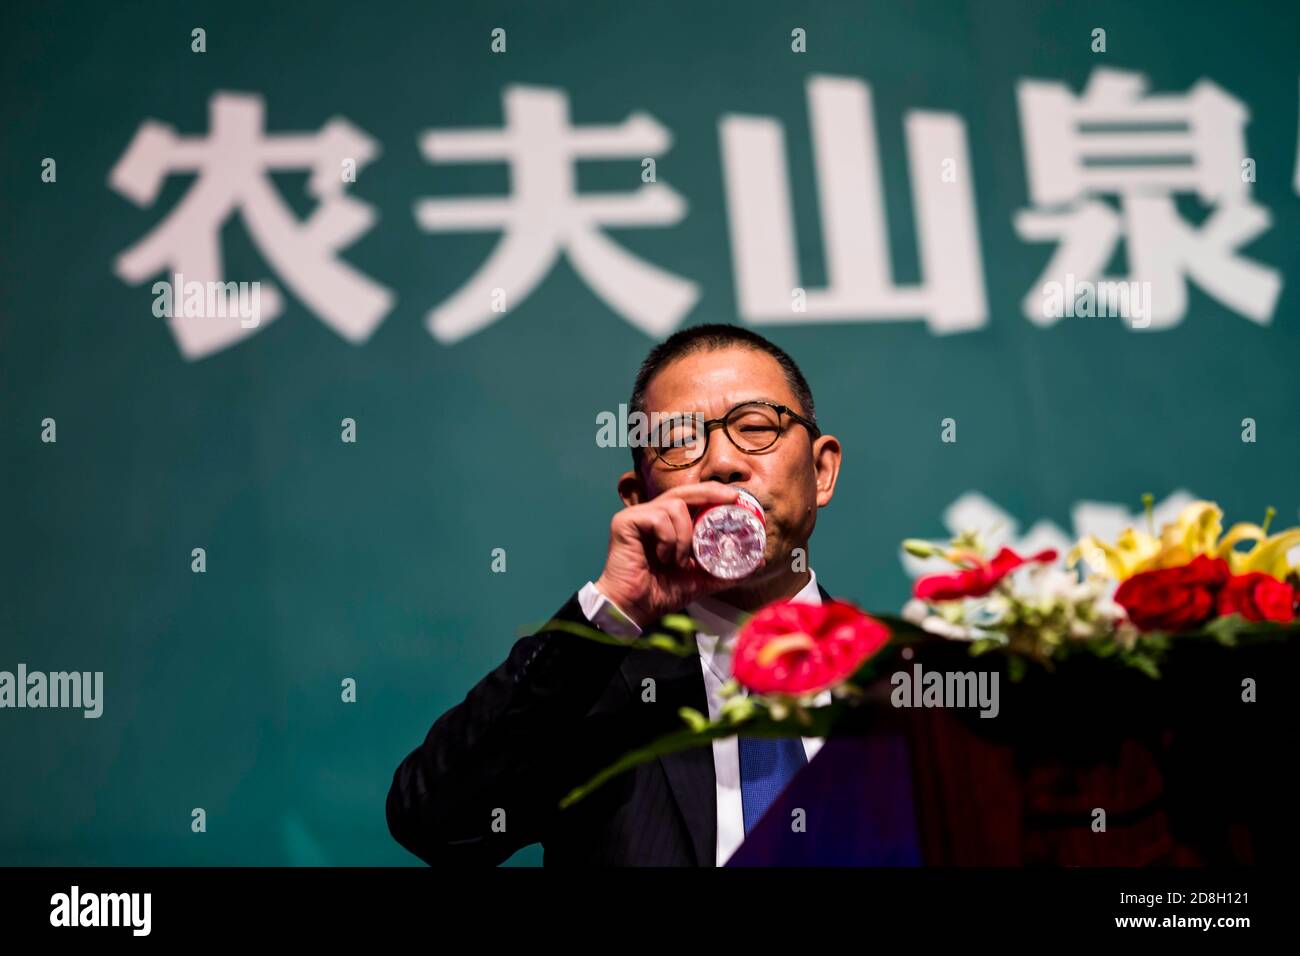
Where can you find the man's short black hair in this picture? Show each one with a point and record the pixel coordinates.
(707, 338)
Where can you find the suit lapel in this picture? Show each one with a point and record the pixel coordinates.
(679, 682)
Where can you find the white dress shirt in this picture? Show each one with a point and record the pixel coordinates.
(718, 625)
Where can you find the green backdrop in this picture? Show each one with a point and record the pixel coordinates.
(372, 560)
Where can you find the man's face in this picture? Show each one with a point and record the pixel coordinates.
(791, 480)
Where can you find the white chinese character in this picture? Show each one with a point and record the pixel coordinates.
(855, 235)
(233, 164)
(545, 216)
(1114, 141)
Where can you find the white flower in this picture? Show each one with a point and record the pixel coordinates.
(914, 611)
(950, 626)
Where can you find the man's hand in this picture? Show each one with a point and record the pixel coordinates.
(650, 568)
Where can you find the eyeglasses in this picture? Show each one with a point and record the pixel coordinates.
(753, 427)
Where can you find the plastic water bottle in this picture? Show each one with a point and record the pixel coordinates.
(729, 540)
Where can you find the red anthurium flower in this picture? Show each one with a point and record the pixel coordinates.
(804, 648)
(1257, 597)
(1173, 599)
(978, 580)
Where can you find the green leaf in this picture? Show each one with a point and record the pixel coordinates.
(820, 722)
(1145, 663)
(1156, 642)
(671, 743)
(679, 622)
(1234, 630)
(656, 641)
(1225, 629)
(736, 709)
(693, 718)
(663, 642)
(1016, 668)
(584, 630)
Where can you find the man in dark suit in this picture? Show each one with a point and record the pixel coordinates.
(488, 778)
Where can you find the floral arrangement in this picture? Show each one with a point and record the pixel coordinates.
(1138, 593)
(796, 666)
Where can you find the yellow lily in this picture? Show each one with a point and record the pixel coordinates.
(1195, 531)
(1132, 552)
(1268, 555)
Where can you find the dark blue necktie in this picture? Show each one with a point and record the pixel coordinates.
(767, 764)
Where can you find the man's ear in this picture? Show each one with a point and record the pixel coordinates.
(826, 465)
(629, 488)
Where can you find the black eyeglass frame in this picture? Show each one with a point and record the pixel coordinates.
(781, 410)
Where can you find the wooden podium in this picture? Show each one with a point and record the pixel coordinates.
(1186, 772)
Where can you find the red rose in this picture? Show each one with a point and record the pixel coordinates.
(1257, 597)
(1172, 599)
(804, 648)
(976, 581)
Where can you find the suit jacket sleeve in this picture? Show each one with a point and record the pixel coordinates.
(491, 771)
